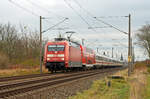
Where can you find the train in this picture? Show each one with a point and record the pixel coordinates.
(63, 55)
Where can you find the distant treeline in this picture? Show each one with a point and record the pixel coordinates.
(18, 46)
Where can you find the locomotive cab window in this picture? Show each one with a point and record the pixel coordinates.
(56, 47)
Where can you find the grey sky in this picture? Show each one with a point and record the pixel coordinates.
(57, 9)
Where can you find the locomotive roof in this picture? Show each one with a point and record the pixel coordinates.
(56, 41)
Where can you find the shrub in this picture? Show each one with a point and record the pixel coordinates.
(30, 62)
(4, 61)
(140, 64)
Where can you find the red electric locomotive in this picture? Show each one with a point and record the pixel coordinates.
(62, 55)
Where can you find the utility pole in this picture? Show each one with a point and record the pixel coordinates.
(112, 52)
(121, 58)
(41, 44)
(97, 50)
(129, 48)
(108, 54)
(132, 53)
(104, 53)
(83, 42)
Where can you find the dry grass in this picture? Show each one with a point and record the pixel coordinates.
(138, 82)
(147, 94)
(20, 71)
(122, 73)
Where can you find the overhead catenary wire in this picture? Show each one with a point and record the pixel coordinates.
(72, 26)
(25, 9)
(83, 8)
(44, 9)
(48, 21)
(99, 19)
(55, 25)
(78, 14)
(110, 25)
(31, 12)
(88, 13)
(112, 16)
(99, 27)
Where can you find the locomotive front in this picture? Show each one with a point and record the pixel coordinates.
(55, 55)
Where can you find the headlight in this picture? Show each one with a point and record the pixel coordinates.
(60, 55)
(50, 55)
(48, 58)
(62, 58)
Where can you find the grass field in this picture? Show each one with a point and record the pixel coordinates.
(119, 89)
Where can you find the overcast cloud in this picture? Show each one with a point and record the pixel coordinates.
(56, 10)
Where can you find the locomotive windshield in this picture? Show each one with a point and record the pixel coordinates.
(56, 47)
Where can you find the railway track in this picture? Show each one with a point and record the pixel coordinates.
(13, 78)
(4, 79)
(7, 90)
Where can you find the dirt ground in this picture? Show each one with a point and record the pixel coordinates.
(137, 83)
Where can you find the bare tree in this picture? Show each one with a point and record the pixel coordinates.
(18, 44)
(9, 39)
(144, 38)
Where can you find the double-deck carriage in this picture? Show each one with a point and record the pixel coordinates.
(88, 57)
